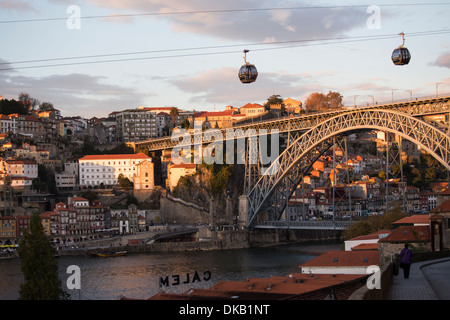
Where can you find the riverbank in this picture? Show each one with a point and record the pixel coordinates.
(204, 240)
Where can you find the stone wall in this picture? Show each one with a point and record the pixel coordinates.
(175, 211)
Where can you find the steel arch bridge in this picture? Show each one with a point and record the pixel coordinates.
(271, 191)
(416, 108)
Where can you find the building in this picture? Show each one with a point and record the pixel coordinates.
(342, 262)
(252, 110)
(416, 236)
(21, 168)
(145, 177)
(219, 119)
(104, 170)
(8, 229)
(136, 125)
(372, 238)
(176, 171)
(440, 225)
(66, 181)
(31, 152)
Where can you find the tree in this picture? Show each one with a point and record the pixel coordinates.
(124, 182)
(275, 99)
(186, 124)
(46, 106)
(28, 102)
(174, 113)
(12, 106)
(39, 266)
(321, 102)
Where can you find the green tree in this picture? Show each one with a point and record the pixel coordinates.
(39, 266)
(373, 224)
(174, 113)
(124, 182)
(186, 124)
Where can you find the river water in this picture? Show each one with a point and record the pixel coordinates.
(139, 275)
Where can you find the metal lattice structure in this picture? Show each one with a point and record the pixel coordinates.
(270, 193)
(416, 108)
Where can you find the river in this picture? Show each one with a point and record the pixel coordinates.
(139, 275)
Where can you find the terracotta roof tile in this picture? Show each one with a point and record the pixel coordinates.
(414, 219)
(344, 259)
(408, 234)
(115, 156)
(443, 207)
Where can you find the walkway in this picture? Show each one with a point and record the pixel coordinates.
(418, 286)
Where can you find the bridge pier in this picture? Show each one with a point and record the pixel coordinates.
(242, 214)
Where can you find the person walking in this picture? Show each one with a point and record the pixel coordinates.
(405, 260)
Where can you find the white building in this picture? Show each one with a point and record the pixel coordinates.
(21, 168)
(65, 180)
(366, 239)
(95, 170)
(342, 262)
(176, 171)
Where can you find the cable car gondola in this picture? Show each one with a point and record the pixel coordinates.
(401, 55)
(248, 72)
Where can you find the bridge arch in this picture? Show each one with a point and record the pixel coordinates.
(272, 190)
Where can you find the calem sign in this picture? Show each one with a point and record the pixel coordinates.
(176, 279)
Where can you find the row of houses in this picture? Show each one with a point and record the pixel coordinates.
(358, 199)
(144, 123)
(76, 221)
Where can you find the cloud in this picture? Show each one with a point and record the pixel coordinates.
(16, 5)
(222, 87)
(442, 61)
(232, 21)
(73, 94)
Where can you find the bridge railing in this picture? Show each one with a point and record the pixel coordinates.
(308, 224)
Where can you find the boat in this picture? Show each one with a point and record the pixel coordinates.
(107, 254)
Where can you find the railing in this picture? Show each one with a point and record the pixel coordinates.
(309, 224)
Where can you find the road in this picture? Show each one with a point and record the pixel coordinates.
(438, 275)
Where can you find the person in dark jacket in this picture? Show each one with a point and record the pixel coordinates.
(405, 260)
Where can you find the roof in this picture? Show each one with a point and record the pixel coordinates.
(365, 246)
(414, 219)
(376, 235)
(114, 157)
(446, 192)
(184, 166)
(295, 286)
(409, 234)
(443, 207)
(252, 105)
(344, 259)
(214, 114)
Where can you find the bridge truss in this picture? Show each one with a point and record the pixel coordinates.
(270, 193)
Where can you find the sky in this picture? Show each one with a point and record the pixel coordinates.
(92, 57)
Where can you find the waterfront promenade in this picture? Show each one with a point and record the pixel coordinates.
(423, 282)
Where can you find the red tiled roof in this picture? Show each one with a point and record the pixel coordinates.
(295, 287)
(184, 165)
(418, 218)
(252, 105)
(115, 156)
(408, 234)
(345, 259)
(375, 235)
(366, 246)
(446, 192)
(443, 207)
